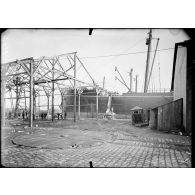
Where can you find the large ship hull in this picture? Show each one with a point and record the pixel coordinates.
(121, 104)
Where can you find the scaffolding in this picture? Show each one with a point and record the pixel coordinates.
(30, 78)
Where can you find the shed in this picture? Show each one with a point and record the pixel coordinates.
(137, 115)
(136, 109)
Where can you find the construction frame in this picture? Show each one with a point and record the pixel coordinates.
(31, 78)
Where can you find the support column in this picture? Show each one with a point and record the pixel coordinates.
(39, 103)
(34, 102)
(2, 95)
(17, 97)
(75, 87)
(62, 94)
(97, 92)
(47, 106)
(25, 99)
(52, 104)
(79, 102)
(31, 96)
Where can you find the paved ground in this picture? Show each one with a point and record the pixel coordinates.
(105, 143)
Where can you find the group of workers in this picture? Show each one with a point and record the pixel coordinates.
(43, 115)
(60, 115)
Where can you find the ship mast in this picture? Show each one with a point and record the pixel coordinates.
(148, 42)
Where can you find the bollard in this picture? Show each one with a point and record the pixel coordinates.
(90, 163)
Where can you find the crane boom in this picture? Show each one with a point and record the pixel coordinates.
(124, 83)
(152, 63)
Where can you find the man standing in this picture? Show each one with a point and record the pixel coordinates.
(23, 114)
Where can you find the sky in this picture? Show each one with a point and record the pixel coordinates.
(24, 43)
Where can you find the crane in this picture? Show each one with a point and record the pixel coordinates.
(122, 80)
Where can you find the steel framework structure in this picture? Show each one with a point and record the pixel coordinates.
(30, 77)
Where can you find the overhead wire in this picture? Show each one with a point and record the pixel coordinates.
(121, 54)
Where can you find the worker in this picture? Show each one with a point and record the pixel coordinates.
(23, 114)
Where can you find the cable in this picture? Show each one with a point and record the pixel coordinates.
(121, 54)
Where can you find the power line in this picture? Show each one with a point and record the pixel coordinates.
(121, 54)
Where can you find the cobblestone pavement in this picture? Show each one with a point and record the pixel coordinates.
(128, 146)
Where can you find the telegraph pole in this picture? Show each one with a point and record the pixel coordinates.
(148, 42)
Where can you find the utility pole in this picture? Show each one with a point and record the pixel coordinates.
(148, 42)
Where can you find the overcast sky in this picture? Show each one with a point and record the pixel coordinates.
(24, 43)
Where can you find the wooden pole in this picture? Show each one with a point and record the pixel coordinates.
(62, 105)
(147, 61)
(39, 102)
(79, 103)
(34, 102)
(31, 96)
(17, 97)
(52, 104)
(97, 92)
(75, 88)
(3, 95)
(25, 99)
(47, 106)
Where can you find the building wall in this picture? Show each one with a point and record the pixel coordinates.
(168, 117)
(153, 118)
(180, 78)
